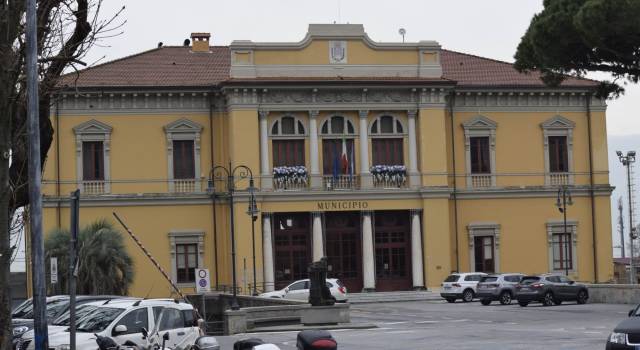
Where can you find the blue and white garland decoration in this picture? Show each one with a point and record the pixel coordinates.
(285, 176)
(393, 174)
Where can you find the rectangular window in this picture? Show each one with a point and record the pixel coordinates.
(183, 160)
(562, 251)
(480, 162)
(186, 262)
(558, 155)
(387, 151)
(288, 152)
(92, 161)
(332, 157)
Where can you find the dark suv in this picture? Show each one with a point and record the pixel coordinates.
(550, 289)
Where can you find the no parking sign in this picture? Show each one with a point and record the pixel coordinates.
(202, 281)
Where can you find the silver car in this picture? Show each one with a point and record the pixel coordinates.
(500, 287)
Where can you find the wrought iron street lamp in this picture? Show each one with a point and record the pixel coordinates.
(626, 161)
(564, 199)
(253, 211)
(230, 174)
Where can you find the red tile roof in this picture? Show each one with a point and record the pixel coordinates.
(177, 66)
(169, 66)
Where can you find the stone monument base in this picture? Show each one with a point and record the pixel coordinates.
(319, 315)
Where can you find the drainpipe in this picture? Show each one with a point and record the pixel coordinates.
(452, 101)
(213, 197)
(591, 192)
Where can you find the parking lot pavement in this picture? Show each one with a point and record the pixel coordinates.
(438, 325)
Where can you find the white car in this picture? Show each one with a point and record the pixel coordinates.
(299, 290)
(461, 286)
(143, 322)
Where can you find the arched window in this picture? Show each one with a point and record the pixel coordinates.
(387, 141)
(287, 126)
(338, 150)
(288, 133)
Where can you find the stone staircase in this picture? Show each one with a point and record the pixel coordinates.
(391, 297)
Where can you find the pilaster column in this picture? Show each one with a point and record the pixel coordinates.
(366, 181)
(318, 244)
(416, 251)
(368, 261)
(316, 177)
(267, 253)
(414, 175)
(265, 173)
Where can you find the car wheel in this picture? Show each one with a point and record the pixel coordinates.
(582, 297)
(523, 303)
(467, 296)
(451, 300)
(548, 299)
(485, 302)
(505, 298)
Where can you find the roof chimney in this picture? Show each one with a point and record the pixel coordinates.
(200, 42)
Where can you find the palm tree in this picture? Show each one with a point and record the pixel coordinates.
(104, 266)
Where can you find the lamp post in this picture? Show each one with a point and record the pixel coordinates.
(564, 199)
(221, 173)
(626, 161)
(253, 211)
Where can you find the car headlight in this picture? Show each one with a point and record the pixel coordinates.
(63, 347)
(18, 331)
(618, 338)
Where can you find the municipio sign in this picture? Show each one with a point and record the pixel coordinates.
(202, 281)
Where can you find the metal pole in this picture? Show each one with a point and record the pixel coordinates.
(41, 341)
(566, 243)
(75, 211)
(234, 300)
(632, 270)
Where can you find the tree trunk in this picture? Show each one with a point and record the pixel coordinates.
(5, 242)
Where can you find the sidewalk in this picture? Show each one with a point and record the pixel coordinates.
(391, 297)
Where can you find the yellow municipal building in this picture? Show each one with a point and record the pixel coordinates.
(399, 162)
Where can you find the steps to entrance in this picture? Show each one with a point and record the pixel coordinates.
(391, 297)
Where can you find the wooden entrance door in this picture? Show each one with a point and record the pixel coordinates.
(292, 246)
(343, 248)
(484, 254)
(393, 250)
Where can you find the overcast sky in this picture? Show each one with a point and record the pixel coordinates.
(490, 28)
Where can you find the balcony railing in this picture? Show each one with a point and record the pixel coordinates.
(93, 187)
(480, 181)
(184, 185)
(558, 179)
(341, 182)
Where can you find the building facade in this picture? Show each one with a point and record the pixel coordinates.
(399, 162)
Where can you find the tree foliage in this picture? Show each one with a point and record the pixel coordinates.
(573, 37)
(104, 265)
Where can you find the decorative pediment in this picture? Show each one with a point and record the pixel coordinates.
(183, 126)
(558, 122)
(92, 127)
(479, 122)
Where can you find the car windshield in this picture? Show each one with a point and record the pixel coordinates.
(529, 280)
(452, 278)
(489, 279)
(98, 320)
(81, 311)
(54, 307)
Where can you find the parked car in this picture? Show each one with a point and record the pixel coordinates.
(499, 287)
(143, 322)
(22, 316)
(461, 286)
(550, 289)
(299, 290)
(626, 335)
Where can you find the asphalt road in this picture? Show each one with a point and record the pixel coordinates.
(438, 325)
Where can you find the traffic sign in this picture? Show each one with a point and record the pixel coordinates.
(202, 281)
